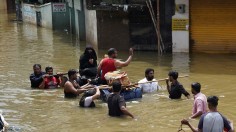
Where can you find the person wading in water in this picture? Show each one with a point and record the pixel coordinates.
(213, 121)
(88, 63)
(110, 64)
(175, 89)
(71, 88)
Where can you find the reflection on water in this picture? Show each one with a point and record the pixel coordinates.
(22, 45)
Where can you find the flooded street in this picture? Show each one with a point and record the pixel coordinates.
(32, 110)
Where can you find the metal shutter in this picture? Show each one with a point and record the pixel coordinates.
(213, 26)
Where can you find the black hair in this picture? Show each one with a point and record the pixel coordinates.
(148, 70)
(37, 65)
(111, 51)
(213, 100)
(116, 86)
(48, 68)
(90, 55)
(174, 74)
(71, 72)
(196, 86)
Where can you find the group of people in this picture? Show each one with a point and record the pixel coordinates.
(75, 85)
(89, 69)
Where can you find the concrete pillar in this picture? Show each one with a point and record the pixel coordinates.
(3, 5)
(180, 27)
(91, 26)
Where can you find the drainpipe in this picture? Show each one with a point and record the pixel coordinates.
(158, 27)
(73, 18)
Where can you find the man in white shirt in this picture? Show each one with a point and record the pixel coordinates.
(149, 84)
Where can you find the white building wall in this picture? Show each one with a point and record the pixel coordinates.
(46, 13)
(29, 13)
(77, 6)
(180, 38)
(91, 27)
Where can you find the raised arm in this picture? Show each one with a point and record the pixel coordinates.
(42, 85)
(119, 63)
(59, 80)
(167, 85)
(97, 94)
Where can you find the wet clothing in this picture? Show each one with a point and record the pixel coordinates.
(86, 68)
(115, 102)
(51, 82)
(148, 87)
(36, 80)
(69, 95)
(200, 103)
(176, 90)
(89, 72)
(108, 65)
(86, 100)
(213, 122)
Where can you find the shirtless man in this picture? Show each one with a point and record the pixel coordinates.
(72, 88)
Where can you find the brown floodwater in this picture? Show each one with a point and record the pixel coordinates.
(22, 45)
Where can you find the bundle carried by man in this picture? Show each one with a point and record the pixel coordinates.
(120, 76)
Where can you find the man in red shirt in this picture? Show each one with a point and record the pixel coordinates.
(49, 80)
(110, 64)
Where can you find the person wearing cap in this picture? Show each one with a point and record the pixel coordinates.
(71, 88)
(87, 99)
(213, 121)
(149, 84)
(110, 64)
(36, 78)
(200, 101)
(175, 89)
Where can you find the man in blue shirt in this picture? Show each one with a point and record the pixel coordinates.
(36, 77)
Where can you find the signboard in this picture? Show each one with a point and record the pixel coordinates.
(180, 24)
(59, 7)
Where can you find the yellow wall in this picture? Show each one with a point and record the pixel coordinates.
(213, 26)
